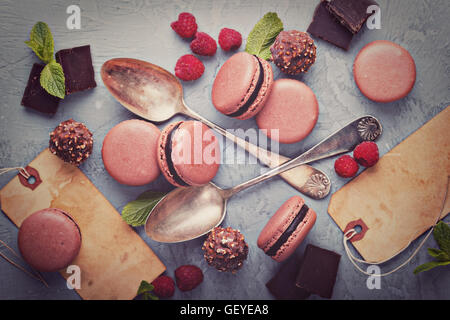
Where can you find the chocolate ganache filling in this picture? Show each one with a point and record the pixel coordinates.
(254, 94)
(168, 151)
(289, 231)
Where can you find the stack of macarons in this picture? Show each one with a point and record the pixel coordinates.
(135, 152)
(244, 87)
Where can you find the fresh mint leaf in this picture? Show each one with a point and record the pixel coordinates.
(145, 287)
(438, 254)
(53, 80)
(430, 265)
(441, 234)
(135, 213)
(146, 291)
(41, 42)
(263, 35)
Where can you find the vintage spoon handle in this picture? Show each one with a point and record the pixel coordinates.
(306, 179)
(366, 128)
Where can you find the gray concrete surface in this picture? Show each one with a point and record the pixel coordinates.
(140, 29)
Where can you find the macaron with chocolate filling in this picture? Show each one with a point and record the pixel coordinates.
(49, 240)
(287, 228)
(242, 86)
(188, 153)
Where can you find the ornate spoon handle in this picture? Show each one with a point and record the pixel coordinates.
(346, 139)
(306, 179)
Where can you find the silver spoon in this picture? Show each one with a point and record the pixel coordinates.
(157, 95)
(188, 213)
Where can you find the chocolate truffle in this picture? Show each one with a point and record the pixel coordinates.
(49, 240)
(225, 249)
(71, 141)
(293, 52)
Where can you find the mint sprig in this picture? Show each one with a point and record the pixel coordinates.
(52, 79)
(145, 291)
(441, 234)
(52, 76)
(263, 35)
(41, 41)
(135, 213)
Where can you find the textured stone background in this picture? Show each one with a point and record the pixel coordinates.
(140, 29)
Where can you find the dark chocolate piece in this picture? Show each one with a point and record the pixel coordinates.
(328, 28)
(35, 97)
(318, 271)
(351, 13)
(78, 69)
(282, 285)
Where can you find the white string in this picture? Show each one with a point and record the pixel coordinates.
(36, 276)
(352, 232)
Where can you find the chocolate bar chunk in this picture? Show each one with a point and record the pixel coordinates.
(318, 271)
(328, 28)
(351, 13)
(282, 285)
(78, 69)
(35, 97)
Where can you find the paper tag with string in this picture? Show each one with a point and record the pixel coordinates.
(350, 233)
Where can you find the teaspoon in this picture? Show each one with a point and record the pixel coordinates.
(188, 213)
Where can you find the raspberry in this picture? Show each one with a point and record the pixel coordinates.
(188, 277)
(366, 154)
(229, 39)
(185, 26)
(346, 167)
(203, 44)
(189, 68)
(164, 287)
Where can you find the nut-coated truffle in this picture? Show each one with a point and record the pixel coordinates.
(71, 141)
(293, 52)
(225, 249)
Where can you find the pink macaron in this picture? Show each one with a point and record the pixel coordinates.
(242, 86)
(287, 228)
(129, 152)
(188, 153)
(384, 71)
(49, 240)
(290, 113)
